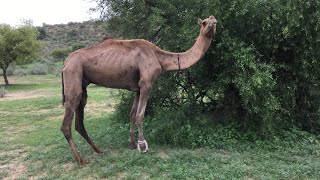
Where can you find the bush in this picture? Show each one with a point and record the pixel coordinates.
(10, 71)
(39, 70)
(3, 91)
(261, 72)
(60, 54)
(20, 72)
(42, 33)
(76, 47)
(185, 126)
(72, 33)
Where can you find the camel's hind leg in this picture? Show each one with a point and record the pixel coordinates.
(66, 128)
(72, 95)
(79, 121)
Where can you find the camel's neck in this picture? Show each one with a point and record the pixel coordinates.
(179, 61)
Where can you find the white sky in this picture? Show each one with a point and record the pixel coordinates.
(45, 11)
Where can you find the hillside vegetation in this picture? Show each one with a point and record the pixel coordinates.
(57, 42)
(64, 36)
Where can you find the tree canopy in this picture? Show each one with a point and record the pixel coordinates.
(261, 74)
(17, 45)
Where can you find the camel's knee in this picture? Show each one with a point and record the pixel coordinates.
(84, 97)
(66, 132)
(139, 119)
(79, 117)
(77, 127)
(133, 116)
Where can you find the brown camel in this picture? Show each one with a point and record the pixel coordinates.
(124, 64)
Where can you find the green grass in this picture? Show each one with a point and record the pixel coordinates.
(32, 146)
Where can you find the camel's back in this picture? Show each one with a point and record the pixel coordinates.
(113, 63)
(127, 43)
(112, 50)
(124, 45)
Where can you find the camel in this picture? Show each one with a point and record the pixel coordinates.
(123, 64)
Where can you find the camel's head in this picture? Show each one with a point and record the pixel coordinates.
(208, 26)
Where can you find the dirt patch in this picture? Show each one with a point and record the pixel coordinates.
(68, 167)
(122, 175)
(32, 80)
(18, 171)
(24, 95)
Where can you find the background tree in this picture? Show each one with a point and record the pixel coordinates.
(17, 45)
(60, 53)
(259, 78)
(42, 33)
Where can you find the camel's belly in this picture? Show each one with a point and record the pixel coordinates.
(118, 80)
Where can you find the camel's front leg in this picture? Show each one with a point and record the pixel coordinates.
(133, 115)
(145, 88)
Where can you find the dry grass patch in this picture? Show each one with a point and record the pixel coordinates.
(33, 80)
(27, 94)
(94, 108)
(163, 155)
(15, 167)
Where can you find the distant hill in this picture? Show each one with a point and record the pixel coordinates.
(63, 36)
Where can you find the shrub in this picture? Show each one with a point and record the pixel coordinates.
(10, 71)
(60, 54)
(77, 46)
(39, 70)
(261, 72)
(185, 126)
(71, 34)
(3, 91)
(20, 72)
(42, 33)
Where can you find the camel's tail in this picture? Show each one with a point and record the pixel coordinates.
(63, 98)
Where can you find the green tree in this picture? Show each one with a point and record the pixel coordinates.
(42, 33)
(261, 73)
(60, 54)
(17, 45)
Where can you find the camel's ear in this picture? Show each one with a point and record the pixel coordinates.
(199, 21)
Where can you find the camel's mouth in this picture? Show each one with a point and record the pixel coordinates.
(211, 27)
(211, 30)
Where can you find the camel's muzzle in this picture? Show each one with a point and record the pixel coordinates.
(211, 27)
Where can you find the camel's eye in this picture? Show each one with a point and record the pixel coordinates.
(204, 23)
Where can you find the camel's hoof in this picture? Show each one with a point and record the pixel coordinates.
(143, 146)
(83, 161)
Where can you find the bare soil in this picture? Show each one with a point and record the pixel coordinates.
(23, 95)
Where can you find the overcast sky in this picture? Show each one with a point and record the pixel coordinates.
(45, 11)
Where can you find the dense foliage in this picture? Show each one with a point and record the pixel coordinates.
(17, 45)
(60, 54)
(260, 77)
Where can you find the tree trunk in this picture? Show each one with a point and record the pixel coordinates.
(5, 76)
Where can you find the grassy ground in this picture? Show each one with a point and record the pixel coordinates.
(32, 146)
